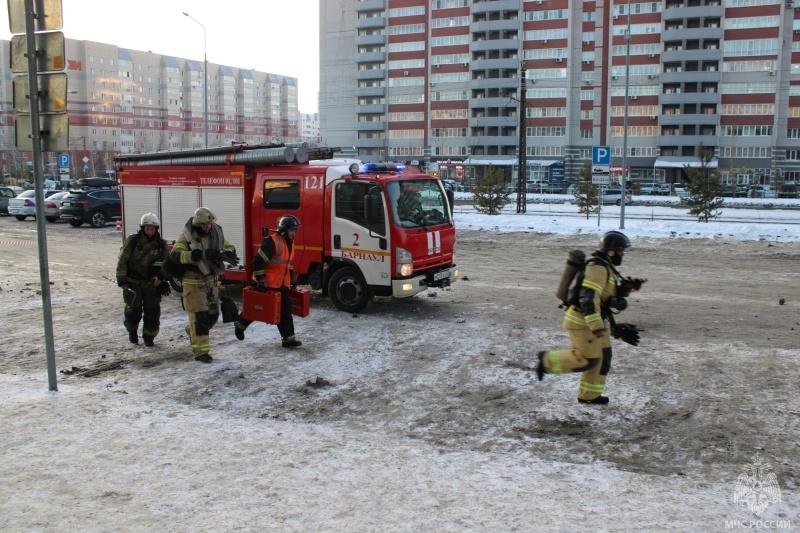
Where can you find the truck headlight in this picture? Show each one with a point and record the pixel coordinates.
(404, 266)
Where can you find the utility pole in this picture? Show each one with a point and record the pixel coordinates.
(522, 163)
(624, 187)
(205, 77)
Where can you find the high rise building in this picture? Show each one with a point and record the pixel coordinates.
(128, 101)
(440, 81)
(309, 128)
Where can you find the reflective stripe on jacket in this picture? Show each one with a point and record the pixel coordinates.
(276, 268)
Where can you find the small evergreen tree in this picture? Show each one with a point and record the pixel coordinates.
(490, 192)
(704, 188)
(586, 193)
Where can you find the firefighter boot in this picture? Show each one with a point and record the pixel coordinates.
(239, 332)
(148, 341)
(600, 400)
(204, 358)
(133, 337)
(291, 342)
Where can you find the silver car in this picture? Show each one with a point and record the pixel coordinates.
(24, 205)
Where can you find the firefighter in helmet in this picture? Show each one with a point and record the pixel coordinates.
(272, 268)
(587, 323)
(201, 250)
(143, 280)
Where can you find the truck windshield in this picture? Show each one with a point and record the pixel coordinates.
(418, 203)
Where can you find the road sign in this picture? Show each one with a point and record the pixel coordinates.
(601, 155)
(601, 180)
(63, 160)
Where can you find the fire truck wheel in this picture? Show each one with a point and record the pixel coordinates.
(348, 290)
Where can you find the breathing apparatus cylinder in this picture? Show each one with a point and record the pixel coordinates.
(576, 260)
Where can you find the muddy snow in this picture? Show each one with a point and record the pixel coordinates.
(417, 414)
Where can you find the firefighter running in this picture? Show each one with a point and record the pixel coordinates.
(272, 268)
(142, 278)
(587, 322)
(201, 249)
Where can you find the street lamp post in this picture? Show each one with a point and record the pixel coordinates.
(205, 77)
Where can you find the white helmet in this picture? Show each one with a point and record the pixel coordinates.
(202, 215)
(149, 219)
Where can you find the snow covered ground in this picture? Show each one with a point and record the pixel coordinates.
(426, 427)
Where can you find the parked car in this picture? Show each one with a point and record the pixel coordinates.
(95, 206)
(6, 193)
(759, 191)
(731, 191)
(614, 196)
(655, 189)
(24, 205)
(52, 206)
(789, 190)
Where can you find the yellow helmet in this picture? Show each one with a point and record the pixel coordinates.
(202, 215)
(149, 219)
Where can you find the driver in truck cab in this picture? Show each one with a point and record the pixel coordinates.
(409, 203)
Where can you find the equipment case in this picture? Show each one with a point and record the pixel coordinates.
(261, 306)
(301, 302)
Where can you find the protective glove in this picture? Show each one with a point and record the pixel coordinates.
(630, 284)
(230, 258)
(121, 282)
(213, 255)
(627, 333)
(261, 286)
(620, 304)
(197, 255)
(164, 289)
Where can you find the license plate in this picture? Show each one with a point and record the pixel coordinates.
(441, 275)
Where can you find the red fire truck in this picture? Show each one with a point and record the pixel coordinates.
(355, 242)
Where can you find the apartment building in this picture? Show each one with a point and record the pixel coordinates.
(439, 81)
(127, 101)
(309, 128)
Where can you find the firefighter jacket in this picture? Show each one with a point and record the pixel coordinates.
(599, 285)
(141, 258)
(190, 239)
(273, 262)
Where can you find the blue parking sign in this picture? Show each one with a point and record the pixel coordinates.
(63, 160)
(601, 155)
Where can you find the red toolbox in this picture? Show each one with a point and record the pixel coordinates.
(301, 302)
(261, 306)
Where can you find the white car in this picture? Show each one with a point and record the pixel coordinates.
(52, 206)
(24, 205)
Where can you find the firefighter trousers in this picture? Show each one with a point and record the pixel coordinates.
(589, 355)
(286, 324)
(142, 303)
(201, 302)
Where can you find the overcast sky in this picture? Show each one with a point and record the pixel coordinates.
(266, 35)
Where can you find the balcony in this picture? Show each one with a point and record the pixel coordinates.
(697, 76)
(371, 91)
(371, 5)
(371, 108)
(374, 74)
(370, 126)
(371, 22)
(494, 45)
(495, 25)
(494, 83)
(493, 6)
(371, 57)
(692, 34)
(495, 64)
(370, 143)
(370, 40)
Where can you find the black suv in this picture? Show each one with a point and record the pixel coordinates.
(93, 205)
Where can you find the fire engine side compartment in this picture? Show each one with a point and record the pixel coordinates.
(174, 192)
